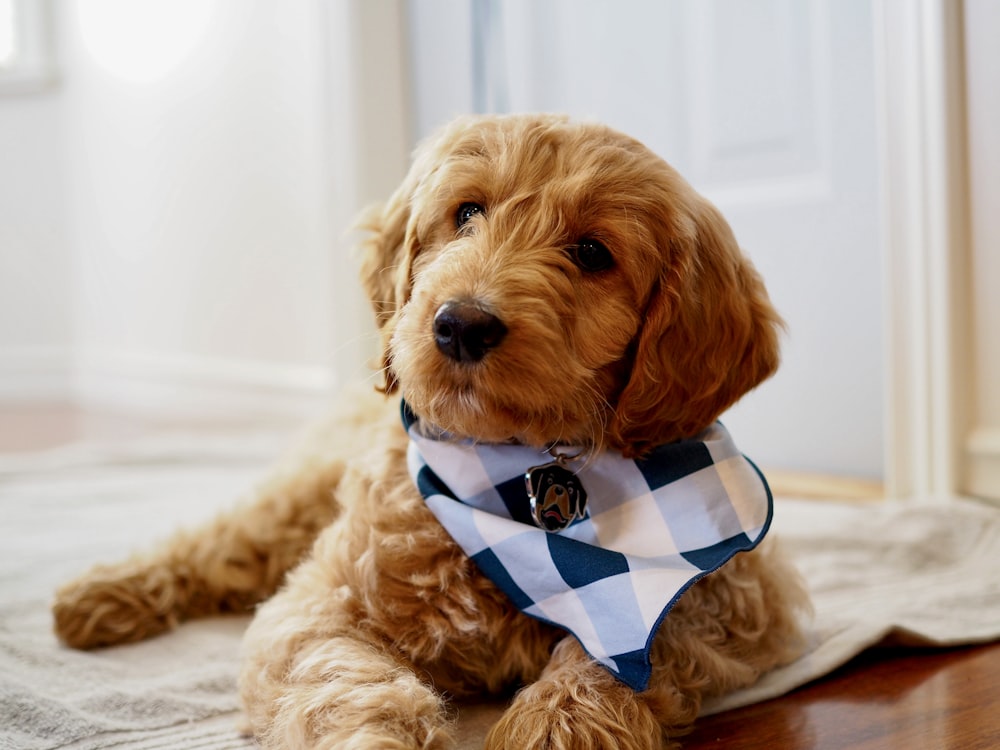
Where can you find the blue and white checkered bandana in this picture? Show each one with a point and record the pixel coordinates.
(651, 528)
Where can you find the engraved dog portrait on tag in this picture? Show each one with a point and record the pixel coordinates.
(557, 496)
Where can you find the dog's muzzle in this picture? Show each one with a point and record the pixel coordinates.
(465, 332)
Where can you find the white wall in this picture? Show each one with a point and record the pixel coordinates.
(198, 202)
(175, 211)
(178, 243)
(35, 263)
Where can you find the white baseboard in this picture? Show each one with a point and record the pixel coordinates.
(982, 463)
(166, 385)
(158, 384)
(38, 373)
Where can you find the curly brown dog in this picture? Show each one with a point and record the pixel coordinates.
(539, 283)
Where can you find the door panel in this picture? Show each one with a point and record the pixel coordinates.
(768, 108)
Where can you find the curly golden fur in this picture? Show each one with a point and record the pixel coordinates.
(381, 618)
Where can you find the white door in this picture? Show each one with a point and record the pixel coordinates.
(768, 108)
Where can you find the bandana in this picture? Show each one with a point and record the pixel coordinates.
(627, 537)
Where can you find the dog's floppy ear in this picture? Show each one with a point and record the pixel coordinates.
(385, 266)
(392, 243)
(383, 253)
(387, 252)
(709, 335)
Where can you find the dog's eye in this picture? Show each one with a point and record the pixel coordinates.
(465, 213)
(591, 255)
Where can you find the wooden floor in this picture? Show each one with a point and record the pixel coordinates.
(908, 699)
(912, 700)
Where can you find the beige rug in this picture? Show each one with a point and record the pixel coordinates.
(909, 573)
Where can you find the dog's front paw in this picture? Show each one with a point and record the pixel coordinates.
(312, 680)
(116, 604)
(580, 716)
(577, 705)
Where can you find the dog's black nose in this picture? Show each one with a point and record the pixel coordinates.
(465, 331)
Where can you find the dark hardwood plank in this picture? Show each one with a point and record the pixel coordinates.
(915, 699)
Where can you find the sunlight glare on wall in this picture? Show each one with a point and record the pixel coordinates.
(142, 42)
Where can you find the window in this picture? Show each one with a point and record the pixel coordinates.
(26, 50)
(8, 40)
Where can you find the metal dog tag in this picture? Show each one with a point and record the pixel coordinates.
(556, 496)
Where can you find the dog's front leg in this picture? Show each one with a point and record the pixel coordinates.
(314, 676)
(576, 705)
(228, 565)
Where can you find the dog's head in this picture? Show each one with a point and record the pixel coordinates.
(544, 281)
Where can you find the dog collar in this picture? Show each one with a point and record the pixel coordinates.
(644, 532)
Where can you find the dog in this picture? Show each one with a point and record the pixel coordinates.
(540, 285)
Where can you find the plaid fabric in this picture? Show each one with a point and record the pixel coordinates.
(652, 528)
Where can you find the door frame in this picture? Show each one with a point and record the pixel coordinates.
(926, 255)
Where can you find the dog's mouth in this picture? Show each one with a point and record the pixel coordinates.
(463, 410)
(553, 518)
(499, 399)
